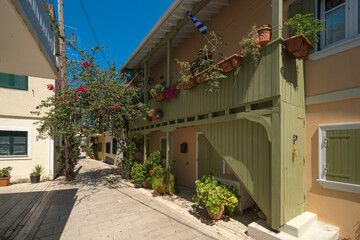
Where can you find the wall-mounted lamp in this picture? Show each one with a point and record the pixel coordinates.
(183, 147)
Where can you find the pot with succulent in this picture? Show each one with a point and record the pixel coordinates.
(215, 196)
(5, 175)
(36, 173)
(304, 29)
(157, 92)
(264, 33)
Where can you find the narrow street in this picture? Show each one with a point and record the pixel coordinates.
(97, 205)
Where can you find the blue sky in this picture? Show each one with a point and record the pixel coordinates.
(119, 25)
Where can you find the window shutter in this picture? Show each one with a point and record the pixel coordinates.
(5, 143)
(19, 143)
(343, 156)
(302, 6)
(108, 147)
(20, 82)
(5, 80)
(114, 150)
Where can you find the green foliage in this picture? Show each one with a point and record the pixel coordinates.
(128, 162)
(205, 62)
(157, 89)
(212, 193)
(37, 170)
(138, 173)
(162, 180)
(141, 172)
(250, 46)
(306, 25)
(6, 172)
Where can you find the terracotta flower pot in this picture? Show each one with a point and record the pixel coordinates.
(201, 77)
(218, 216)
(264, 35)
(299, 46)
(4, 181)
(159, 97)
(230, 63)
(187, 85)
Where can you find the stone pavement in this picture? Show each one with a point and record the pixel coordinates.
(97, 205)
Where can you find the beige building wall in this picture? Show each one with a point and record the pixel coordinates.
(23, 166)
(15, 113)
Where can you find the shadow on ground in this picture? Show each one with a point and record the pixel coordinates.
(34, 215)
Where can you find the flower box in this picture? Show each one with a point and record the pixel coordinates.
(230, 63)
(264, 34)
(299, 46)
(159, 97)
(187, 85)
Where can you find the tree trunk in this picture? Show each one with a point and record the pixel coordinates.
(68, 158)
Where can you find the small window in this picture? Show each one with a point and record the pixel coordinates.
(339, 157)
(114, 143)
(108, 147)
(13, 81)
(13, 143)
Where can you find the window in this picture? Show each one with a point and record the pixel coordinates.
(13, 143)
(339, 157)
(108, 147)
(114, 143)
(341, 21)
(13, 81)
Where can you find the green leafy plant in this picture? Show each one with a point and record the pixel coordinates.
(249, 46)
(6, 172)
(204, 63)
(212, 193)
(141, 172)
(306, 25)
(37, 171)
(157, 89)
(162, 180)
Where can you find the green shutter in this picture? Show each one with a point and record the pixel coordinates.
(13, 81)
(5, 80)
(343, 156)
(108, 147)
(114, 150)
(20, 82)
(302, 6)
(13, 143)
(5, 143)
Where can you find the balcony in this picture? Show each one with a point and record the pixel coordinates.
(27, 42)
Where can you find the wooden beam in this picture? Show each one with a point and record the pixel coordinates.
(169, 62)
(197, 7)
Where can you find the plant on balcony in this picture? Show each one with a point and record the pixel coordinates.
(203, 69)
(249, 46)
(153, 114)
(305, 30)
(215, 196)
(264, 33)
(157, 92)
(5, 175)
(171, 92)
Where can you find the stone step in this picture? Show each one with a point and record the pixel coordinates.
(300, 224)
(319, 231)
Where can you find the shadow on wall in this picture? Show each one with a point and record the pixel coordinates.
(34, 215)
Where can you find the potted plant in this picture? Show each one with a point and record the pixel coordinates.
(215, 196)
(157, 92)
(264, 33)
(171, 92)
(36, 173)
(186, 80)
(230, 63)
(304, 30)
(249, 46)
(5, 175)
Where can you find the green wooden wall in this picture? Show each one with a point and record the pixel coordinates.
(246, 149)
(209, 161)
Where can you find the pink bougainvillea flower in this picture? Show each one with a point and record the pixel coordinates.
(129, 86)
(134, 87)
(61, 100)
(50, 87)
(91, 102)
(59, 81)
(101, 88)
(73, 34)
(76, 96)
(81, 89)
(86, 64)
(150, 171)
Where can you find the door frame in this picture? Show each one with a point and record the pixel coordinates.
(172, 152)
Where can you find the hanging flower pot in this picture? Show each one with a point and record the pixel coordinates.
(264, 34)
(230, 63)
(299, 46)
(159, 97)
(187, 85)
(202, 77)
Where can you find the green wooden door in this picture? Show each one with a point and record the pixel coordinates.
(343, 156)
(209, 161)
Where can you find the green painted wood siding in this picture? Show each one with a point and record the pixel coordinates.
(343, 156)
(209, 161)
(246, 149)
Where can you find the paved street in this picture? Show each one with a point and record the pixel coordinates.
(98, 205)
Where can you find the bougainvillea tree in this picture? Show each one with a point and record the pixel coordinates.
(96, 100)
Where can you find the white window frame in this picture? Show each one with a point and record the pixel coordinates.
(20, 157)
(348, 187)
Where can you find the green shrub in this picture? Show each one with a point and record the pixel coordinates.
(137, 173)
(6, 172)
(37, 171)
(162, 181)
(212, 193)
(157, 89)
